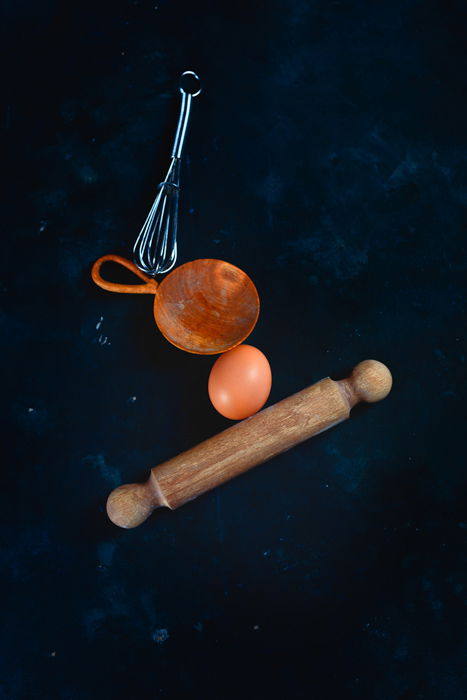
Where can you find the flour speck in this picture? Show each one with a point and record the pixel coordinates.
(160, 636)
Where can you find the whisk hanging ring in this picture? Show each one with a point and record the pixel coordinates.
(196, 77)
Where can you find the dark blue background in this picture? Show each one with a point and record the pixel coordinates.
(328, 158)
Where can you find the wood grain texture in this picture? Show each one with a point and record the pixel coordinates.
(204, 307)
(248, 443)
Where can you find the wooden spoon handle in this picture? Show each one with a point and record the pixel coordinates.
(248, 443)
(149, 287)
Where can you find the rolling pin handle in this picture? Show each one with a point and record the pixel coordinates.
(370, 381)
(131, 504)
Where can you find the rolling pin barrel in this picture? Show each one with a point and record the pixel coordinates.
(248, 443)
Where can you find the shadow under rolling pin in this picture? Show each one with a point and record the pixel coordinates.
(248, 443)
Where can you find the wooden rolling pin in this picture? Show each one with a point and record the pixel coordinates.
(248, 443)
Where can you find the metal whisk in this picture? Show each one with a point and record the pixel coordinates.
(155, 250)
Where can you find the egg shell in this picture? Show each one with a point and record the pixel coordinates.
(240, 382)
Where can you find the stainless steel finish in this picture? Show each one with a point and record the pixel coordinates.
(155, 250)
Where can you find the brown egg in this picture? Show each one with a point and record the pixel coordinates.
(240, 382)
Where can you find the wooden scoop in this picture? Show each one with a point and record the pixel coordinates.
(204, 306)
(246, 444)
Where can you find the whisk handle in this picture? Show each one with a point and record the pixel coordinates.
(185, 109)
(182, 125)
(149, 287)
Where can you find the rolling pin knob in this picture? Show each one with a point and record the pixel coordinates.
(370, 381)
(131, 504)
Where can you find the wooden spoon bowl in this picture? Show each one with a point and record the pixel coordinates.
(205, 306)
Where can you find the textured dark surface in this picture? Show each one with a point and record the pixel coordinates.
(328, 158)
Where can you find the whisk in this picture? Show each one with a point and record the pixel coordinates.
(155, 250)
